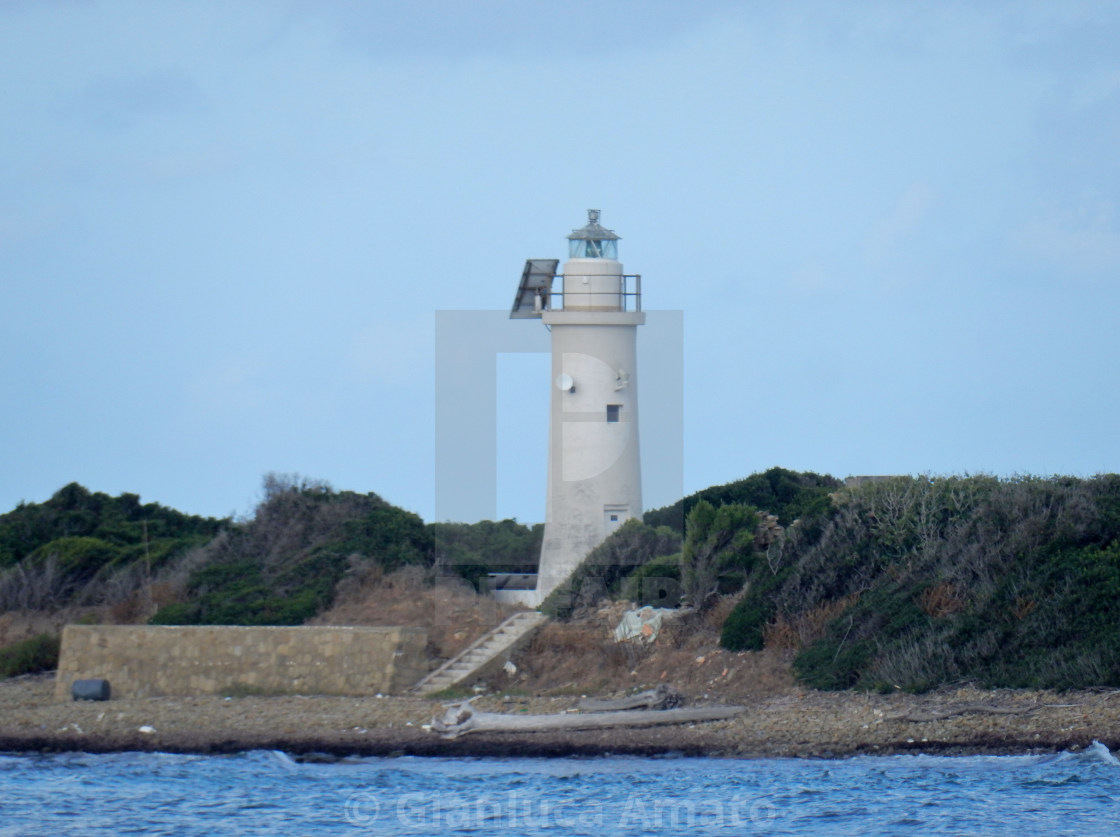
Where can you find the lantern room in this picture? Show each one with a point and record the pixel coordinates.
(593, 241)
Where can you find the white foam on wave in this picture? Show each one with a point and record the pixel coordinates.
(1098, 752)
(282, 758)
(1095, 752)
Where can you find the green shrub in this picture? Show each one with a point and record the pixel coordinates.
(927, 581)
(472, 550)
(718, 541)
(744, 629)
(833, 663)
(176, 613)
(121, 522)
(79, 558)
(787, 494)
(283, 566)
(601, 573)
(39, 653)
(656, 584)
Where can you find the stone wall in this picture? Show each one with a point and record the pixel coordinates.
(150, 661)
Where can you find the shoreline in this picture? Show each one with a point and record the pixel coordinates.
(523, 745)
(796, 724)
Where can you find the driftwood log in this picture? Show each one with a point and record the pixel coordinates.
(462, 718)
(663, 697)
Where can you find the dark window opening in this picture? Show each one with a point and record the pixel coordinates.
(612, 411)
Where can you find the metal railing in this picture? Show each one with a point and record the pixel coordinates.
(629, 297)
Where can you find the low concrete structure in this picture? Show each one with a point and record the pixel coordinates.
(152, 661)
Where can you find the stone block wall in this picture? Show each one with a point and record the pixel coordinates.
(152, 661)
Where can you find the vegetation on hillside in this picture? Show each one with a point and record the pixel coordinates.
(30, 656)
(630, 548)
(788, 495)
(718, 551)
(907, 582)
(701, 547)
(81, 547)
(914, 582)
(281, 566)
(472, 550)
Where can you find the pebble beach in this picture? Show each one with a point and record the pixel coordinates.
(797, 723)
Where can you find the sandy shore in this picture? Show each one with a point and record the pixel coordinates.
(804, 724)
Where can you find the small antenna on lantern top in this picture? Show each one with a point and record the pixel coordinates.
(593, 216)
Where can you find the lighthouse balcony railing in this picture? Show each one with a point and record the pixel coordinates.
(628, 297)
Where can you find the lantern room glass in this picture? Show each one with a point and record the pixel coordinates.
(589, 248)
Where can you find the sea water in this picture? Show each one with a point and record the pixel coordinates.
(270, 793)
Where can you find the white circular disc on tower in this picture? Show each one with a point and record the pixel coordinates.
(564, 382)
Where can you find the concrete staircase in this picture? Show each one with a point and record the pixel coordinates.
(489, 650)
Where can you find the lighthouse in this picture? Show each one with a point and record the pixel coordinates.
(592, 310)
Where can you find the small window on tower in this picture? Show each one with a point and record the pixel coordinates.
(612, 412)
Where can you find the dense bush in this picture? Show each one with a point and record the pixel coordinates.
(657, 583)
(787, 494)
(715, 555)
(745, 627)
(85, 548)
(913, 582)
(282, 566)
(601, 574)
(718, 551)
(31, 656)
(79, 558)
(121, 522)
(472, 550)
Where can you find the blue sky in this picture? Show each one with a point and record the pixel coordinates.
(226, 227)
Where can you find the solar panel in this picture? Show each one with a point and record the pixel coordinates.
(536, 284)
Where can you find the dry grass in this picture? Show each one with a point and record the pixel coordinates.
(564, 658)
(787, 634)
(18, 625)
(940, 600)
(781, 634)
(717, 614)
(452, 613)
(581, 657)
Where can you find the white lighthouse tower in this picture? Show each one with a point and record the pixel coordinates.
(594, 468)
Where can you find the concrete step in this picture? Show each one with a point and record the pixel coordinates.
(481, 653)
